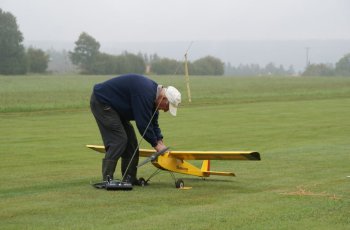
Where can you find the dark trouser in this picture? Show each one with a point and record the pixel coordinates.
(118, 136)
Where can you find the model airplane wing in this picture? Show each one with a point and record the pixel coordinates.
(195, 155)
(208, 155)
(98, 148)
(101, 149)
(215, 155)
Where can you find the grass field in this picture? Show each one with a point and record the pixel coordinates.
(300, 126)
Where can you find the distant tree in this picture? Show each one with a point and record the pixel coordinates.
(104, 64)
(164, 66)
(37, 60)
(85, 53)
(146, 59)
(154, 57)
(12, 53)
(208, 66)
(342, 67)
(318, 70)
(270, 69)
(131, 63)
(121, 64)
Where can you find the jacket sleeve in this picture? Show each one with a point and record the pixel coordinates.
(156, 127)
(143, 111)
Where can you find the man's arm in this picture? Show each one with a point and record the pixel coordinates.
(142, 110)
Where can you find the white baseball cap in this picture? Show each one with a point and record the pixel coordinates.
(174, 97)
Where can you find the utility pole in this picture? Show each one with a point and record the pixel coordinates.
(307, 57)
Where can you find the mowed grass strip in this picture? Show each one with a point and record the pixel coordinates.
(301, 182)
(38, 93)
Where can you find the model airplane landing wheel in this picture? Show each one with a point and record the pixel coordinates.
(142, 182)
(179, 183)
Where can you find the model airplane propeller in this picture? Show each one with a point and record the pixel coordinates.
(153, 157)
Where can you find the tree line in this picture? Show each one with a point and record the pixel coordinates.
(88, 59)
(256, 70)
(342, 68)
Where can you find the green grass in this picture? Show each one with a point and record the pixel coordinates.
(300, 126)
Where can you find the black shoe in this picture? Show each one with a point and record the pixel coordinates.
(136, 182)
(131, 180)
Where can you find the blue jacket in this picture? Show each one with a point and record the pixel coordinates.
(133, 97)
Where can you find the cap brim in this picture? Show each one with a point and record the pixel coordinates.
(172, 109)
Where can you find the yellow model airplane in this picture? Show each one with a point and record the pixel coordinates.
(174, 161)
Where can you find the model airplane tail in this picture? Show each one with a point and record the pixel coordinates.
(206, 170)
(217, 173)
(205, 165)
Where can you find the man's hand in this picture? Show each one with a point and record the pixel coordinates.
(160, 146)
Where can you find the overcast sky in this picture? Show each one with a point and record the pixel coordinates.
(181, 20)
